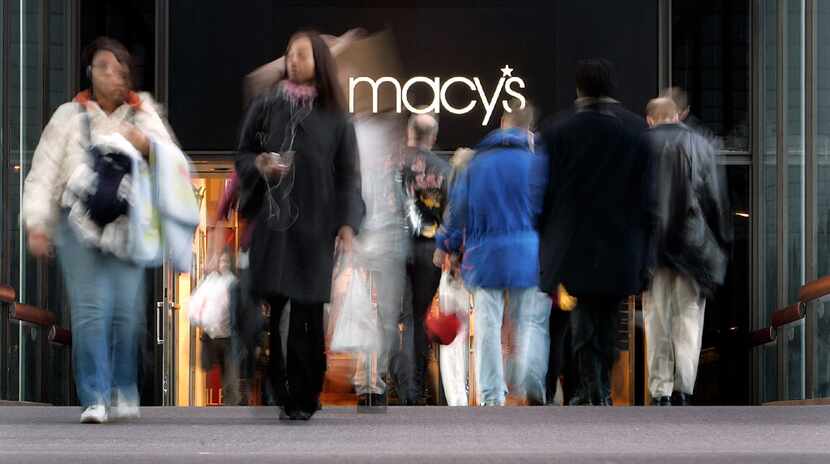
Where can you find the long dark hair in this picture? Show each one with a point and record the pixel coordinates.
(329, 95)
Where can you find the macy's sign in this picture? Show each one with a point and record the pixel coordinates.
(439, 93)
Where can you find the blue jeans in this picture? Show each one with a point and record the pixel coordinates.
(529, 313)
(106, 295)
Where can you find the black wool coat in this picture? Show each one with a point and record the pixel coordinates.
(599, 214)
(295, 259)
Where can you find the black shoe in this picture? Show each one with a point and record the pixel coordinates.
(287, 415)
(376, 403)
(535, 401)
(680, 399)
(661, 401)
(580, 398)
(302, 415)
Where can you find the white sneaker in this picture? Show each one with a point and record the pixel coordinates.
(96, 414)
(124, 409)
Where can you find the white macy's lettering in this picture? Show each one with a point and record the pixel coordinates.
(439, 92)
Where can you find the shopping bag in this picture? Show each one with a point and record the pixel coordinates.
(453, 361)
(209, 306)
(454, 302)
(452, 296)
(356, 324)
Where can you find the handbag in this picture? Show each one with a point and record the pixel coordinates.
(104, 200)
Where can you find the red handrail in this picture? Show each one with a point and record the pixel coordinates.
(32, 315)
(788, 315)
(815, 290)
(7, 294)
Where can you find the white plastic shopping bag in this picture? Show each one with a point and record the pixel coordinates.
(355, 319)
(454, 298)
(209, 306)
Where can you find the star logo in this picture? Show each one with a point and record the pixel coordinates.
(506, 71)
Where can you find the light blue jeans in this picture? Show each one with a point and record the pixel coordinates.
(106, 295)
(529, 312)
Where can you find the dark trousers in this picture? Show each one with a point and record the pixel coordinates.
(298, 380)
(593, 328)
(560, 327)
(424, 278)
(220, 351)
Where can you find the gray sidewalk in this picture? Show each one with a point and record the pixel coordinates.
(427, 434)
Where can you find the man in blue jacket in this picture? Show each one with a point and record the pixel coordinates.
(493, 209)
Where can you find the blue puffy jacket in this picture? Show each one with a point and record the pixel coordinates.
(493, 211)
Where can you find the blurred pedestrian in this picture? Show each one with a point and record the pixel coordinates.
(425, 177)
(494, 207)
(300, 185)
(692, 240)
(74, 197)
(598, 219)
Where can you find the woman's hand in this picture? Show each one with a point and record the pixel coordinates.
(268, 166)
(345, 239)
(455, 266)
(438, 258)
(39, 244)
(136, 137)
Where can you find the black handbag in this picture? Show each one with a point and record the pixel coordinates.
(103, 203)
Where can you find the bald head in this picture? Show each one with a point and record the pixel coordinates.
(520, 115)
(422, 131)
(661, 110)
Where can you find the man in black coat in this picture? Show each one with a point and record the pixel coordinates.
(598, 219)
(693, 236)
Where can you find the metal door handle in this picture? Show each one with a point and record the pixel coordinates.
(160, 323)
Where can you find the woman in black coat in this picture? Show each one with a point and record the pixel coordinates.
(300, 187)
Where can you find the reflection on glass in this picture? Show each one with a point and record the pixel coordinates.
(769, 191)
(13, 362)
(710, 59)
(769, 171)
(822, 152)
(794, 69)
(33, 338)
(58, 376)
(822, 349)
(794, 339)
(769, 366)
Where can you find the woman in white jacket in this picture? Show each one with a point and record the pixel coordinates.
(105, 287)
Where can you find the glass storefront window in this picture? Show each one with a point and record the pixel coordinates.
(37, 55)
(25, 123)
(821, 148)
(794, 69)
(795, 22)
(710, 59)
(768, 214)
(793, 337)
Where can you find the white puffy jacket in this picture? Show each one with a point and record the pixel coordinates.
(62, 148)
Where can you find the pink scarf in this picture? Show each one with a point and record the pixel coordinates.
(299, 95)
